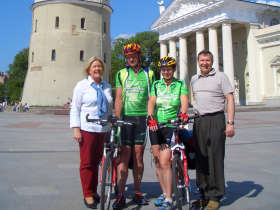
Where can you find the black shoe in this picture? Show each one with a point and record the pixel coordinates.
(199, 203)
(92, 205)
(119, 203)
(139, 199)
(96, 198)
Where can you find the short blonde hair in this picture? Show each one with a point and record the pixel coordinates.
(90, 61)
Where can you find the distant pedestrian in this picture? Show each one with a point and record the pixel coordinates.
(25, 107)
(15, 107)
(91, 96)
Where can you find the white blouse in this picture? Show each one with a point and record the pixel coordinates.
(85, 102)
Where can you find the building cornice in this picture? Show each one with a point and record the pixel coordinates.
(158, 24)
(269, 36)
(80, 2)
(211, 14)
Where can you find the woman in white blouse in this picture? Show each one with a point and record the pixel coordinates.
(91, 96)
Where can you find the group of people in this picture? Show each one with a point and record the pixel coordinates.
(146, 102)
(20, 107)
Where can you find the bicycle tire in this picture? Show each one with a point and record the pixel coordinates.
(106, 185)
(178, 182)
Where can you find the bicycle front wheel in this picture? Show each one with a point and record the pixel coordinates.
(178, 182)
(106, 185)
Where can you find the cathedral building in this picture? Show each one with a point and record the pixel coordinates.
(243, 36)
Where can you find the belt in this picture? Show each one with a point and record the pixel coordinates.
(212, 114)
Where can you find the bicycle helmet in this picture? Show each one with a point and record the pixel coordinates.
(131, 48)
(167, 61)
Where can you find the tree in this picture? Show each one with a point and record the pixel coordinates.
(17, 72)
(149, 48)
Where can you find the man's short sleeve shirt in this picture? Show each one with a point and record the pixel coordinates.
(209, 92)
(168, 99)
(134, 91)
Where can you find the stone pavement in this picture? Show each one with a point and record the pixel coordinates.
(40, 161)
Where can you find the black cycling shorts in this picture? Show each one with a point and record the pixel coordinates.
(134, 134)
(161, 136)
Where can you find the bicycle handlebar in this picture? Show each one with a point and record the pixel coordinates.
(177, 122)
(113, 120)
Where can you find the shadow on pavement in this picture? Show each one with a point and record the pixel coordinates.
(236, 190)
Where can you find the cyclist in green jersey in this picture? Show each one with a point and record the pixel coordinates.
(167, 96)
(132, 92)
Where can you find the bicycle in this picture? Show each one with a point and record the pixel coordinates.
(109, 161)
(180, 177)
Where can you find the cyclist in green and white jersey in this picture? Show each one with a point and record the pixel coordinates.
(133, 85)
(168, 95)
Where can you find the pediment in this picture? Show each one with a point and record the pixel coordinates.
(179, 8)
(275, 61)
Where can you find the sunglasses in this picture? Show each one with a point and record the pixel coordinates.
(166, 70)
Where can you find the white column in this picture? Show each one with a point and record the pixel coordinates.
(199, 44)
(172, 52)
(275, 81)
(227, 52)
(253, 67)
(213, 46)
(163, 49)
(172, 48)
(183, 54)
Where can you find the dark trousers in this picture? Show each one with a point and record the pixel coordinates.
(209, 135)
(91, 150)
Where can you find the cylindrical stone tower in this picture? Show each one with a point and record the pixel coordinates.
(65, 34)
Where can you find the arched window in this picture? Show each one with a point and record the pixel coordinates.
(83, 20)
(53, 55)
(56, 22)
(274, 22)
(32, 57)
(81, 55)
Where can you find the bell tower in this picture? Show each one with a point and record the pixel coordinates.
(65, 34)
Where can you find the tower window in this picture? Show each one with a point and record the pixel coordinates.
(83, 20)
(53, 55)
(81, 55)
(104, 28)
(32, 57)
(104, 57)
(56, 22)
(35, 28)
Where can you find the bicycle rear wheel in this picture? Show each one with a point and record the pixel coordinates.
(106, 185)
(178, 182)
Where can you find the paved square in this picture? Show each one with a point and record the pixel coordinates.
(40, 162)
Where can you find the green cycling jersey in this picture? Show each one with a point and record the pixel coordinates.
(168, 98)
(135, 90)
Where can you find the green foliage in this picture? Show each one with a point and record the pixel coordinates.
(2, 92)
(17, 72)
(149, 48)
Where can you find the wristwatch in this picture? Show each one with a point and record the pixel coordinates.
(230, 122)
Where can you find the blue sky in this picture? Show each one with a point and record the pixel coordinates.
(16, 17)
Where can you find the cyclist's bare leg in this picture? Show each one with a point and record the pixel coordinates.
(138, 166)
(155, 151)
(122, 169)
(165, 165)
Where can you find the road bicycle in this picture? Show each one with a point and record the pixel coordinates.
(180, 176)
(109, 161)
